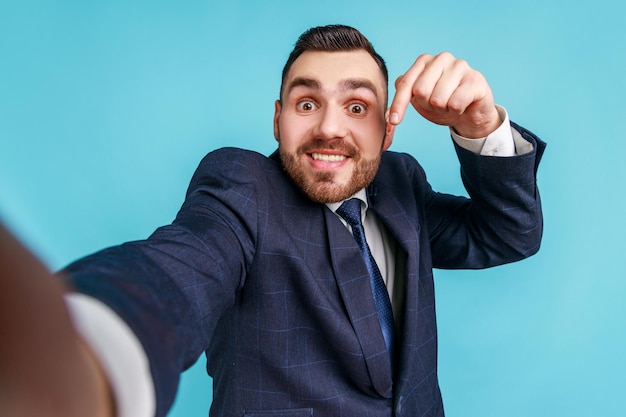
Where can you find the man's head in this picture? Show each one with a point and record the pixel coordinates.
(333, 38)
(330, 121)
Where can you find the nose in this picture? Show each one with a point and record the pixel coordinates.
(331, 123)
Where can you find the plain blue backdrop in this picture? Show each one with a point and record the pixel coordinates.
(106, 107)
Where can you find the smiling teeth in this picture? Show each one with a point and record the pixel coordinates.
(327, 158)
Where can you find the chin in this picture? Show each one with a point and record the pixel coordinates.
(329, 191)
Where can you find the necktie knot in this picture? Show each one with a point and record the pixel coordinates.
(350, 211)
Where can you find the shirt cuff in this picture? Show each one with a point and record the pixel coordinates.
(119, 352)
(504, 141)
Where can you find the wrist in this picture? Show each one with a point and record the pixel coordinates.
(481, 127)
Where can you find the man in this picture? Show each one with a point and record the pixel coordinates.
(274, 266)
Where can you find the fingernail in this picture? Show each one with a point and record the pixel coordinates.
(394, 118)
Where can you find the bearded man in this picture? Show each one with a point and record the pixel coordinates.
(306, 276)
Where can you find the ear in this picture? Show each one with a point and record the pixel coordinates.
(390, 129)
(277, 108)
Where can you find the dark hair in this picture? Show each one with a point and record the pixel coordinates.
(333, 38)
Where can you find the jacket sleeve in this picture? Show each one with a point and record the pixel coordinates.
(172, 288)
(502, 220)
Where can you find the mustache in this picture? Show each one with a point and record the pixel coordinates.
(329, 145)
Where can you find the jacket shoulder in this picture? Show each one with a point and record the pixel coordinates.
(233, 165)
(397, 165)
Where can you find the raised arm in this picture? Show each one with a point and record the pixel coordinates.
(502, 221)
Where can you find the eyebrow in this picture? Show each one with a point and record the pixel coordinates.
(303, 82)
(349, 84)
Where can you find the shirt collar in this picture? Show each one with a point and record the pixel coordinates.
(361, 195)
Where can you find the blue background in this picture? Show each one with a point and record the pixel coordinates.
(106, 107)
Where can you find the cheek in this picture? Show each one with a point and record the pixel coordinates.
(291, 132)
(370, 137)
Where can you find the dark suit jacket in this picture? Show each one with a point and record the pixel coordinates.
(272, 287)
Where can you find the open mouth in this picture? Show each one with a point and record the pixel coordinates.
(327, 158)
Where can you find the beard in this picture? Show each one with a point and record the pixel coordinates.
(322, 187)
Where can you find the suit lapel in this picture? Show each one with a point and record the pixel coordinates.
(400, 219)
(354, 286)
(395, 216)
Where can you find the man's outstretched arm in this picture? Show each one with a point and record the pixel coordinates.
(45, 368)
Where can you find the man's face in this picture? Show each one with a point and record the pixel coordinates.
(330, 123)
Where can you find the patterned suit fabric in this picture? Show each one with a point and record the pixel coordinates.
(263, 281)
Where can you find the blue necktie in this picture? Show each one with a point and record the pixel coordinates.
(350, 211)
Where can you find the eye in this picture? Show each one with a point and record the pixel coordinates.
(356, 108)
(306, 105)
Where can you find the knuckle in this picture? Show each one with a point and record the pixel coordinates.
(424, 57)
(456, 106)
(438, 102)
(476, 76)
(461, 64)
(421, 91)
(445, 56)
(400, 82)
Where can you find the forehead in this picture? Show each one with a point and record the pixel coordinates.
(333, 68)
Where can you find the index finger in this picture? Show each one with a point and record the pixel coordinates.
(404, 90)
